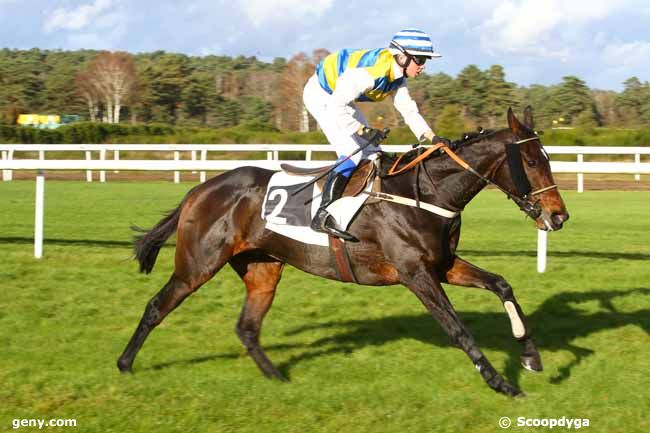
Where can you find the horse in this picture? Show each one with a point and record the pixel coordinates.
(219, 222)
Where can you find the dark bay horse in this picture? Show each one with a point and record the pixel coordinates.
(220, 222)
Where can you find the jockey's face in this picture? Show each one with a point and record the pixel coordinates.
(413, 69)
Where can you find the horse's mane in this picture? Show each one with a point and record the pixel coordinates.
(467, 138)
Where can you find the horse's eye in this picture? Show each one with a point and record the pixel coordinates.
(532, 163)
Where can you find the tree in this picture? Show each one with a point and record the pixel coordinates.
(633, 104)
(290, 110)
(472, 82)
(113, 79)
(574, 97)
(442, 90)
(499, 95)
(450, 121)
(85, 85)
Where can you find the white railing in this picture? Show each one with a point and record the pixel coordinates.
(199, 153)
(9, 163)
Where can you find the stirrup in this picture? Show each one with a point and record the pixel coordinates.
(330, 227)
(323, 222)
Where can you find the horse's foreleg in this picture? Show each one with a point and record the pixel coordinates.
(261, 277)
(430, 292)
(463, 273)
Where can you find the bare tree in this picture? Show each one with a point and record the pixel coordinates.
(111, 78)
(291, 112)
(86, 88)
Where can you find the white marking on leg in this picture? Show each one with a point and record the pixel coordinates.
(518, 329)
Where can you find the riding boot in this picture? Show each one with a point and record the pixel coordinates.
(323, 221)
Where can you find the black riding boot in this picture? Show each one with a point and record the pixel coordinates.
(323, 221)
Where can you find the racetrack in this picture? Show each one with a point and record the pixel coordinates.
(361, 359)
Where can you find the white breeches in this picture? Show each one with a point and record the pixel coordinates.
(316, 100)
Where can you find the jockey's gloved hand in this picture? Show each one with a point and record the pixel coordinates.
(434, 139)
(366, 135)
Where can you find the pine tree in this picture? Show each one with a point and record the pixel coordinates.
(473, 83)
(499, 96)
(575, 98)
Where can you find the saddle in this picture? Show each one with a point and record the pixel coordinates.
(361, 177)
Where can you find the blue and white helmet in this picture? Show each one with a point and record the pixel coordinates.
(415, 42)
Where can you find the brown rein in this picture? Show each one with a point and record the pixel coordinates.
(466, 166)
(424, 156)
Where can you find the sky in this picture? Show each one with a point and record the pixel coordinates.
(603, 42)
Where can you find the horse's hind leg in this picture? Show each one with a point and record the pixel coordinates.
(261, 275)
(463, 273)
(185, 280)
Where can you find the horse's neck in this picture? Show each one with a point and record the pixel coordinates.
(460, 186)
(443, 182)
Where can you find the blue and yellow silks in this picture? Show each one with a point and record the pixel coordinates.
(378, 63)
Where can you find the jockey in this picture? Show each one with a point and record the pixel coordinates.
(363, 75)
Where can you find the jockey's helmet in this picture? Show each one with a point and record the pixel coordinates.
(412, 42)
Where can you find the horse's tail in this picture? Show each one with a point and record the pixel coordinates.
(147, 245)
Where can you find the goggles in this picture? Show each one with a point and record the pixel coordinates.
(419, 60)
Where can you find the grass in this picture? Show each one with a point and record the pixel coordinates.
(360, 359)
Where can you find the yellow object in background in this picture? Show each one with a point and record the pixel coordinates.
(28, 119)
(39, 120)
(49, 119)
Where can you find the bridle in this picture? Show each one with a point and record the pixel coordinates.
(525, 198)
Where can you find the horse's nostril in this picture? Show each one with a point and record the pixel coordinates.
(560, 218)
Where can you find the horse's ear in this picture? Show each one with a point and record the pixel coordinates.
(513, 123)
(528, 117)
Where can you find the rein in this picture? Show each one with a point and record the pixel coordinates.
(532, 209)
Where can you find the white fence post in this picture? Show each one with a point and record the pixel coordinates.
(541, 250)
(38, 214)
(10, 173)
(637, 160)
(177, 174)
(581, 176)
(116, 157)
(89, 173)
(102, 157)
(204, 157)
(5, 173)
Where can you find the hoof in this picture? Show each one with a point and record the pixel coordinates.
(124, 367)
(511, 391)
(532, 363)
(276, 375)
(282, 379)
(498, 384)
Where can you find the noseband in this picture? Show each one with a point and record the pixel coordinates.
(525, 196)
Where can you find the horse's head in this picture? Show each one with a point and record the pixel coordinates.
(526, 175)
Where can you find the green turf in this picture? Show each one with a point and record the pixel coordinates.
(360, 359)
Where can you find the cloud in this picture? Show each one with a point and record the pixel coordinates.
(263, 11)
(630, 56)
(78, 18)
(546, 29)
